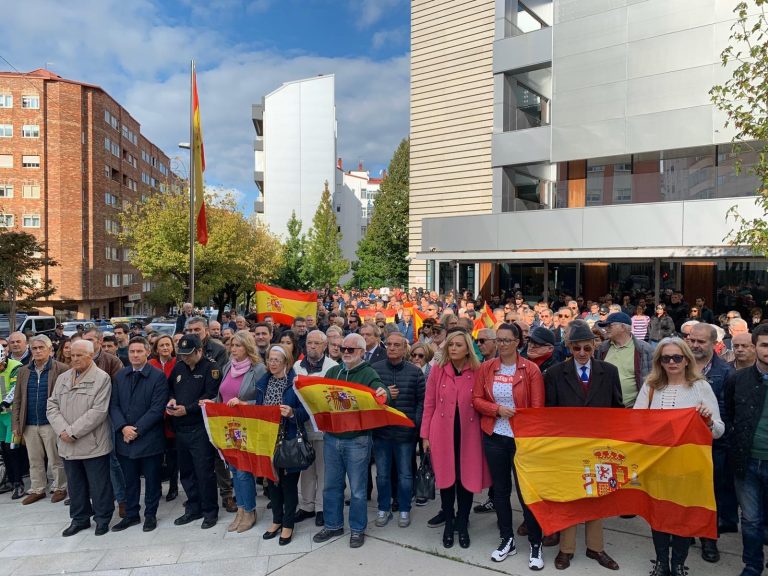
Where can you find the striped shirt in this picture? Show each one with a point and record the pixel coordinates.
(640, 326)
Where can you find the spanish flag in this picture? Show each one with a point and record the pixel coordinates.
(579, 464)
(370, 314)
(338, 406)
(244, 435)
(418, 318)
(198, 165)
(284, 305)
(484, 320)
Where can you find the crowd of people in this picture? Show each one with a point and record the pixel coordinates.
(102, 411)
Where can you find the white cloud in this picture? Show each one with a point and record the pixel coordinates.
(369, 12)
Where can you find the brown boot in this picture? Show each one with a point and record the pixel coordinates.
(249, 519)
(229, 504)
(236, 522)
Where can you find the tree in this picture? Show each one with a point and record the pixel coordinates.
(744, 99)
(21, 258)
(383, 252)
(291, 275)
(324, 261)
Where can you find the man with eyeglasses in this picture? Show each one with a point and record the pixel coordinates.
(546, 319)
(583, 381)
(353, 324)
(486, 341)
(564, 317)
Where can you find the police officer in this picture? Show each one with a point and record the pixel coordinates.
(194, 378)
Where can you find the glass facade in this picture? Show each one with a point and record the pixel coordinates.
(524, 105)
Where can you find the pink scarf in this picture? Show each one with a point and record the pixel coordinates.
(237, 369)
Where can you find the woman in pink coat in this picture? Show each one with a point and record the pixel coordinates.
(450, 429)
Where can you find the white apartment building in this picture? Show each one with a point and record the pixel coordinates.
(355, 193)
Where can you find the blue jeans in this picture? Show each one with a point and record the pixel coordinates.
(245, 489)
(751, 491)
(384, 451)
(117, 478)
(346, 457)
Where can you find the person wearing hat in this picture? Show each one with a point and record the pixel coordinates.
(193, 379)
(583, 381)
(631, 356)
(541, 348)
(57, 337)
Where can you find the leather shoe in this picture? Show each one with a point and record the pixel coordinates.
(603, 559)
(319, 519)
(709, 551)
(5, 488)
(229, 504)
(18, 491)
(150, 523)
(563, 560)
(302, 515)
(269, 535)
(121, 509)
(32, 497)
(56, 497)
(186, 519)
(126, 523)
(325, 534)
(101, 529)
(74, 528)
(356, 539)
(551, 540)
(208, 523)
(522, 530)
(172, 494)
(285, 539)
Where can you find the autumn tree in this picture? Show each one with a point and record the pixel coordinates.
(324, 261)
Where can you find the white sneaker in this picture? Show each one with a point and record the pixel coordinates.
(382, 518)
(506, 548)
(536, 559)
(405, 519)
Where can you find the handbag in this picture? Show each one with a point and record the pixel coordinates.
(295, 452)
(425, 478)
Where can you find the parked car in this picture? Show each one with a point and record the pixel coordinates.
(162, 327)
(29, 325)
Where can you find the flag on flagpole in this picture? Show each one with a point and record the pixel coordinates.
(339, 406)
(198, 161)
(284, 305)
(580, 464)
(244, 435)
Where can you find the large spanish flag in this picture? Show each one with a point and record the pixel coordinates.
(198, 165)
(284, 305)
(244, 435)
(418, 318)
(579, 464)
(370, 314)
(338, 406)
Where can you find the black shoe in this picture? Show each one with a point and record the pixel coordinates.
(270, 535)
(421, 502)
(150, 523)
(679, 570)
(186, 519)
(5, 488)
(209, 523)
(319, 519)
(325, 534)
(660, 567)
(283, 541)
(101, 529)
(463, 535)
(66, 502)
(356, 539)
(126, 523)
(437, 520)
(395, 505)
(485, 507)
(74, 528)
(18, 491)
(709, 551)
(302, 515)
(448, 533)
(173, 493)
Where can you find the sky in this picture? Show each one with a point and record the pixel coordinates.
(139, 52)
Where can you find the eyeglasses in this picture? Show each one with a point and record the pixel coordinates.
(417, 355)
(505, 340)
(580, 348)
(393, 345)
(437, 329)
(482, 341)
(694, 310)
(349, 349)
(671, 358)
(563, 315)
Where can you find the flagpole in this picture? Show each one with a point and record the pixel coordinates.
(191, 187)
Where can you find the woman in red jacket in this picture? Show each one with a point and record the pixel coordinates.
(164, 358)
(503, 385)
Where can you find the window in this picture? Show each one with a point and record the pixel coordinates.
(115, 149)
(107, 143)
(6, 101)
(30, 221)
(6, 220)
(6, 130)
(30, 161)
(112, 280)
(107, 171)
(111, 226)
(111, 120)
(6, 191)
(127, 279)
(338, 208)
(6, 160)
(523, 107)
(31, 102)
(30, 131)
(30, 191)
(163, 169)
(145, 178)
(110, 199)
(111, 253)
(526, 188)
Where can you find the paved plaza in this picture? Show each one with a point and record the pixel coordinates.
(31, 544)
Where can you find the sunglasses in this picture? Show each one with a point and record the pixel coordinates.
(482, 341)
(672, 358)
(349, 349)
(580, 348)
(563, 315)
(417, 355)
(437, 329)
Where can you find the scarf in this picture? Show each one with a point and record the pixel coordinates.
(237, 369)
(539, 360)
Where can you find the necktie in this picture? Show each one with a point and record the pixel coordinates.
(368, 356)
(584, 375)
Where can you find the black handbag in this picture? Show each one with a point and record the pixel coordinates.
(293, 452)
(425, 478)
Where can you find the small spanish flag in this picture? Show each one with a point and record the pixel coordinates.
(245, 435)
(484, 320)
(579, 464)
(284, 305)
(338, 406)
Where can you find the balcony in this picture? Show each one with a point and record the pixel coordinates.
(257, 114)
(258, 206)
(258, 177)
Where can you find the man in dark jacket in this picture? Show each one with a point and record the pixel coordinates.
(187, 311)
(397, 444)
(139, 396)
(746, 425)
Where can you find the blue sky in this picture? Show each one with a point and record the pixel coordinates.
(139, 52)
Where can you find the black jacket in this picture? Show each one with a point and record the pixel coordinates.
(379, 354)
(409, 380)
(563, 386)
(717, 376)
(744, 400)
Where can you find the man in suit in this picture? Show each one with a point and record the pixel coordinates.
(583, 381)
(374, 350)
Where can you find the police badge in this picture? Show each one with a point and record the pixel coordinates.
(216, 373)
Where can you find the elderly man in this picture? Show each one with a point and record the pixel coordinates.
(312, 479)
(583, 381)
(743, 351)
(541, 348)
(136, 410)
(632, 357)
(78, 412)
(348, 454)
(13, 456)
(406, 326)
(17, 344)
(736, 326)
(702, 341)
(486, 342)
(187, 311)
(374, 351)
(34, 385)
(335, 336)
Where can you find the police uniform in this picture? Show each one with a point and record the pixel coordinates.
(196, 455)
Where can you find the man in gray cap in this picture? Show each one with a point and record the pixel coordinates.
(541, 348)
(632, 357)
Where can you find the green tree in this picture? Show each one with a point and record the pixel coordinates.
(21, 259)
(324, 261)
(744, 100)
(291, 275)
(382, 255)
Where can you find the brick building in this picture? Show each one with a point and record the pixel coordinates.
(70, 159)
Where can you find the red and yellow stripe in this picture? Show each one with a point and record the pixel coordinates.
(284, 305)
(198, 166)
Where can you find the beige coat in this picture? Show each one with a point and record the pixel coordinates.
(81, 409)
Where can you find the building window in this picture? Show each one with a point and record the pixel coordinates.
(126, 254)
(107, 171)
(6, 101)
(111, 226)
(6, 130)
(110, 199)
(30, 191)
(30, 161)
(30, 221)
(30, 131)
(6, 220)
(113, 280)
(111, 120)
(6, 160)
(6, 191)
(31, 102)
(523, 106)
(127, 279)
(526, 188)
